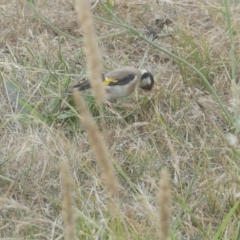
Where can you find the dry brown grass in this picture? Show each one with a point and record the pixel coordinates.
(164, 205)
(94, 63)
(95, 71)
(163, 130)
(67, 202)
(97, 143)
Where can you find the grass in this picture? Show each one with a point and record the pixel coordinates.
(184, 134)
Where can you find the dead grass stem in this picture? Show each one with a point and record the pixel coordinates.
(94, 64)
(97, 143)
(67, 202)
(164, 206)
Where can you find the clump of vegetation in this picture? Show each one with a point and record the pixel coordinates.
(152, 166)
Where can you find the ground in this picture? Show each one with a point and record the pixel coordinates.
(187, 125)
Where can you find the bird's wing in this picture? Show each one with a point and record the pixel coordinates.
(82, 86)
(111, 81)
(121, 76)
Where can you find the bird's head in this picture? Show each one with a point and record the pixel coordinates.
(147, 80)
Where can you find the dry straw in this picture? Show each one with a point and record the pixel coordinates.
(163, 204)
(5, 195)
(67, 202)
(94, 69)
(97, 143)
(94, 64)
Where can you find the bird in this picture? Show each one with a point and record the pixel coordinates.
(121, 82)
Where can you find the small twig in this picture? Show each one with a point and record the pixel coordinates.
(95, 4)
(152, 34)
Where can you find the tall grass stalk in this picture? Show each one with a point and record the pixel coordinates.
(97, 143)
(164, 206)
(67, 202)
(234, 87)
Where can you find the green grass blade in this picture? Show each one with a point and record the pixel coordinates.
(15, 93)
(226, 221)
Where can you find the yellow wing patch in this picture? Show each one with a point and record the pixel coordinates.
(107, 81)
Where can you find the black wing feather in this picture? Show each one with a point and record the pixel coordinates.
(82, 86)
(123, 81)
(86, 84)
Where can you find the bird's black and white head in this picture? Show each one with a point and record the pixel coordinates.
(147, 80)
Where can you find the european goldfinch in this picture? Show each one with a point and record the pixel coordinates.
(122, 82)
